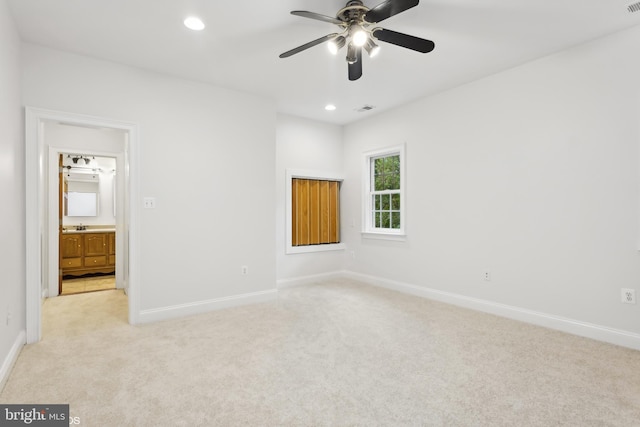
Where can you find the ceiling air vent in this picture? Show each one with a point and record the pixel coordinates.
(634, 7)
(365, 108)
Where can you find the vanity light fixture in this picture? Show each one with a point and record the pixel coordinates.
(194, 23)
(80, 159)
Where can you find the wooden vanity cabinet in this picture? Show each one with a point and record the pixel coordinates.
(72, 249)
(84, 253)
(111, 260)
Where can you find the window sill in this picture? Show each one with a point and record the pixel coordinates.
(384, 236)
(315, 248)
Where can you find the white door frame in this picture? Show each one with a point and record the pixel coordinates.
(37, 236)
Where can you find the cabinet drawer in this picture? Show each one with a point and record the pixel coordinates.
(71, 262)
(112, 260)
(95, 261)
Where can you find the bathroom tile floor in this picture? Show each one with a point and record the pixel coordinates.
(88, 284)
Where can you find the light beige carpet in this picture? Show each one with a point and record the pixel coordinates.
(336, 353)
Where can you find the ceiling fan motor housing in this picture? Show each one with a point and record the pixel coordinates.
(353, 11)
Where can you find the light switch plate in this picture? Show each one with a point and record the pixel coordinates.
(149, 202)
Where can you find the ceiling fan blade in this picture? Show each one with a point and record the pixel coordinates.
(355, 69)
(317, 17)
(404, 40)
(308, 45)
(387, 9)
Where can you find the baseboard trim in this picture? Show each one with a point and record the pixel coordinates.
(199, 307)
(305, 280)
(10, 359)
(571, 326)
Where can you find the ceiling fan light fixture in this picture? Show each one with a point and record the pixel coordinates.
(194, 23)
(372, 48)
(359, 37)
(355, 21)
(336, 44)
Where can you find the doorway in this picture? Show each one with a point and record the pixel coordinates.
(87, 201)
(42, 225)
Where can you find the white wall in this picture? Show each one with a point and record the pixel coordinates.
(316, 147)
(12, 185)
(207, 156)
(532, 173)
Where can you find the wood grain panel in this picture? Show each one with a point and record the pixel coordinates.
(303, 212)
(314, 211)
(324, 211)
(334, 212)
(294, 212)
(315, 206)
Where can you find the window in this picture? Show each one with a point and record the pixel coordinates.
(313, 212)
(384, 192)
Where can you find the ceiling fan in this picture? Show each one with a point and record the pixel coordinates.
(354, 21)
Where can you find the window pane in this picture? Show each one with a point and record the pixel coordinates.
(379, 182)
(385, 220)
(395, 219)
(388, 165)
(376, 203)
(386, 173)
(379, 166)
(395, 202)
(391, 182)
(386, 199)
(376, 217)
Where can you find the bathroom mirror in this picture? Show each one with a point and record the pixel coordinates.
(81, 197)
(82, 204)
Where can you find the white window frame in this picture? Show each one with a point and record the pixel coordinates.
(368, 229)
(306, 174)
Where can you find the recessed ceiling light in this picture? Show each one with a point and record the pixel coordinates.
(330, 107)
(194, 23)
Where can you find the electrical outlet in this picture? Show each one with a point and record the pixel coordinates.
(487, 275)
(244, 270)
(628, 296)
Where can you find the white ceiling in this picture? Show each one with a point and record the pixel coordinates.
(239, 48)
